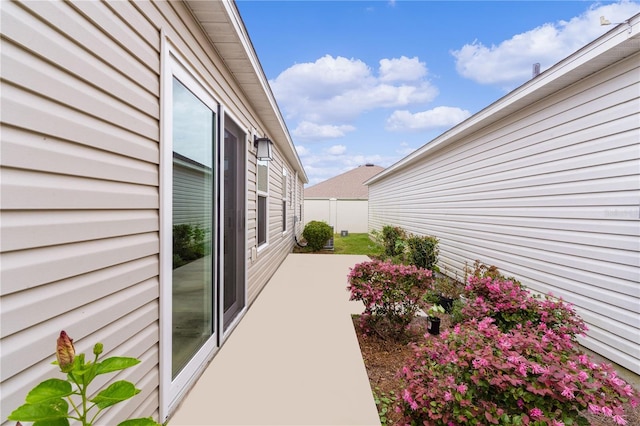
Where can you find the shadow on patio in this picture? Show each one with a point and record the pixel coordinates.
(294, 358)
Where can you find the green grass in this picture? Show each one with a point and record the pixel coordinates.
(356, 244)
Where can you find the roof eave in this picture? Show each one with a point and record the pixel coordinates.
(221, 21)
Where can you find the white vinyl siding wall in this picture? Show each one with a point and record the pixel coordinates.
(279, 244)
(80, 152)
(189, 193)
(550, 195)
(79, 192)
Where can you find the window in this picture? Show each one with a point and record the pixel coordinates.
(263, 194)
(284, 199)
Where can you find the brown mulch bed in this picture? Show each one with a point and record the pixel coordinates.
(383, 358)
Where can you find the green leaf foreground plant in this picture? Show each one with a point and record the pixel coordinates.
(434, 310)
(384, 402)
(48, 403)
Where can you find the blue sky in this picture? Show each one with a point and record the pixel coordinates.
(371, 81)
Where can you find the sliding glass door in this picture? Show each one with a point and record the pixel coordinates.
(203, 231)
(194, 233)
(234, 223)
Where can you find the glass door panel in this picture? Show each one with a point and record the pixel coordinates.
(194, 254)
(234, 229)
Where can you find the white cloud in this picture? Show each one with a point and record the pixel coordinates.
(402, 69)
(311, 131)
(405, 149)
(439, 117)
(325, 165)
(510, 63)
(337, 150)
(301, 150)
(338, 90)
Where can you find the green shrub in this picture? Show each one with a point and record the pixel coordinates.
(188, 244)
(481, 270)
(448, 287)
(317, 234)
(422, 251)
(393, 240)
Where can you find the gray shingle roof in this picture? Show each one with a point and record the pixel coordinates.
(348, 185)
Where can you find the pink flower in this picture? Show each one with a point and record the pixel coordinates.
(537, 369)
(582, 376)
(619, 420)
(462, 388)
(628, 390)
(513, 359)
(535, 413)
(448, 396)
(594, 409)
(607, 411)
(504, 343)
(618, 381)
(557, 423)
(479, 362)
(485, 323)
(567, 393)
(522, 369)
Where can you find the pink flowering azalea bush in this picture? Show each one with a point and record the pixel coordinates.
(513, 360)
(391, 293)
(510, 304)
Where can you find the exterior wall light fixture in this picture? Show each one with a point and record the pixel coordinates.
(263, 148)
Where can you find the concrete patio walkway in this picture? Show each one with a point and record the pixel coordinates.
(294, 358)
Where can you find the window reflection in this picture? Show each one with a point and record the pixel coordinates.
(193, 191)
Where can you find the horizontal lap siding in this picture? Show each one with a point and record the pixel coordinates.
(550, 195)
(279, 244)
(80, 198)
(79, 220)
(190, 202)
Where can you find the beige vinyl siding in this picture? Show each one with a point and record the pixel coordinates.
(79, 178)
(279, 245)
(549, 194)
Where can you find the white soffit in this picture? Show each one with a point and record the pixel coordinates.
(223, 25)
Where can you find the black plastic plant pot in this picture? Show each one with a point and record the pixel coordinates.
(446, 303)
(433, 325)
